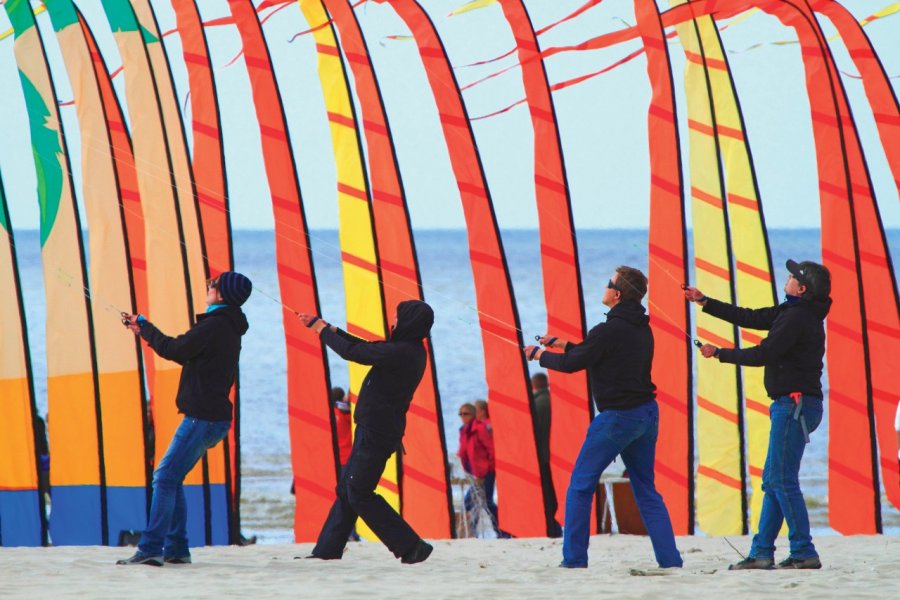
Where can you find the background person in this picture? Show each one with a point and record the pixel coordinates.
(540, 391)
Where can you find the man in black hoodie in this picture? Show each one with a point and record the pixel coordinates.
(792, 356)
(397, 367)
(208, 354)
(618, 355)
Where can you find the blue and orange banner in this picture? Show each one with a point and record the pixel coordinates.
(78, 476)
(22, 516)
(122, 400)
(171, 279)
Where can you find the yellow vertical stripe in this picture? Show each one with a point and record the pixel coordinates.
(718, 487)
(751, 254)
(365, 312)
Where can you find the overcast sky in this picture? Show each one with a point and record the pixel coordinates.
(602, 121)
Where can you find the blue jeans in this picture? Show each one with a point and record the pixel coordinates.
(632, 434)
(783, 499)
(166, 527)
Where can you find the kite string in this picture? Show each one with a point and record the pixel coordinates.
(156, 172)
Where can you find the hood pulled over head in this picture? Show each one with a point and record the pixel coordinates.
(414, 321)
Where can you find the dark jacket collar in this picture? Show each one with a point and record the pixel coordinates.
(233, 314)
(630, 311)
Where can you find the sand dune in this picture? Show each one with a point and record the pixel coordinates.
(854, 567)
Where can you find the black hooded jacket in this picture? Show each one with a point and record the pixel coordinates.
(618, 355)
(208, 353)
(397, 368)
(791, 353)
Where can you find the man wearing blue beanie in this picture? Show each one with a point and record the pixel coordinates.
(208, 353)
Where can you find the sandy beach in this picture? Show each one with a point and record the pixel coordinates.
(621, 567)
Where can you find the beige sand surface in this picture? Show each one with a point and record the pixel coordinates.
(854, 567)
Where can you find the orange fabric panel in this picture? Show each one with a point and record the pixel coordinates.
(313, 458)
(669, 315)
(425, 488)
(208, 162)
(878, 276)
(571, 401)
(509, 394)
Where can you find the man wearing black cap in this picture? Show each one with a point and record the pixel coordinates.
(792, 356)
(208, 353)
(397, 367)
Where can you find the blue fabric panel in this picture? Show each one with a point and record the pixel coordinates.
(20, 519)
(126, 509)
(219, 509)
(196, 519)
(75, 515)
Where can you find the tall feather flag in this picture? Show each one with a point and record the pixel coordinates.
(310, 419)
(721, 499)
(208, 162)
(120, 377)
(78, 477)
(518, 477)
(669, 316)
(883, 338)
(571, 401)
(171, 292)
(425, 496)
(23, 520)
(365, 306)
(750, 256)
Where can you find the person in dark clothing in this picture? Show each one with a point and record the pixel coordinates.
(208, 354)
(792, 357)
(618, 355)
(397, 368)
(540, 389)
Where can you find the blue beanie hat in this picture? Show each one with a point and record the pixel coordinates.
(234, 288)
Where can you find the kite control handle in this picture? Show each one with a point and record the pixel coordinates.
(549, 342)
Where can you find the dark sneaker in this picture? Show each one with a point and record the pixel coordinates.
(317, 557)
(178, 560)
(812, 562)
(142, 559)
(565, 565)
(753, 563)
(419, 552)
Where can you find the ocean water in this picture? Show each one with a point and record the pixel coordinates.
(266, 504)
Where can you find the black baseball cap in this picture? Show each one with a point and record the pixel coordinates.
(814, 276)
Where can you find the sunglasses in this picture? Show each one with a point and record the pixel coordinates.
(212, 283)
(611, 285)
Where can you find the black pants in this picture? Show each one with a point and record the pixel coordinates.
(550, 501)
(356, 497)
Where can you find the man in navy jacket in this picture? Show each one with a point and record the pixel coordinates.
(397, 368)
(618, 356)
